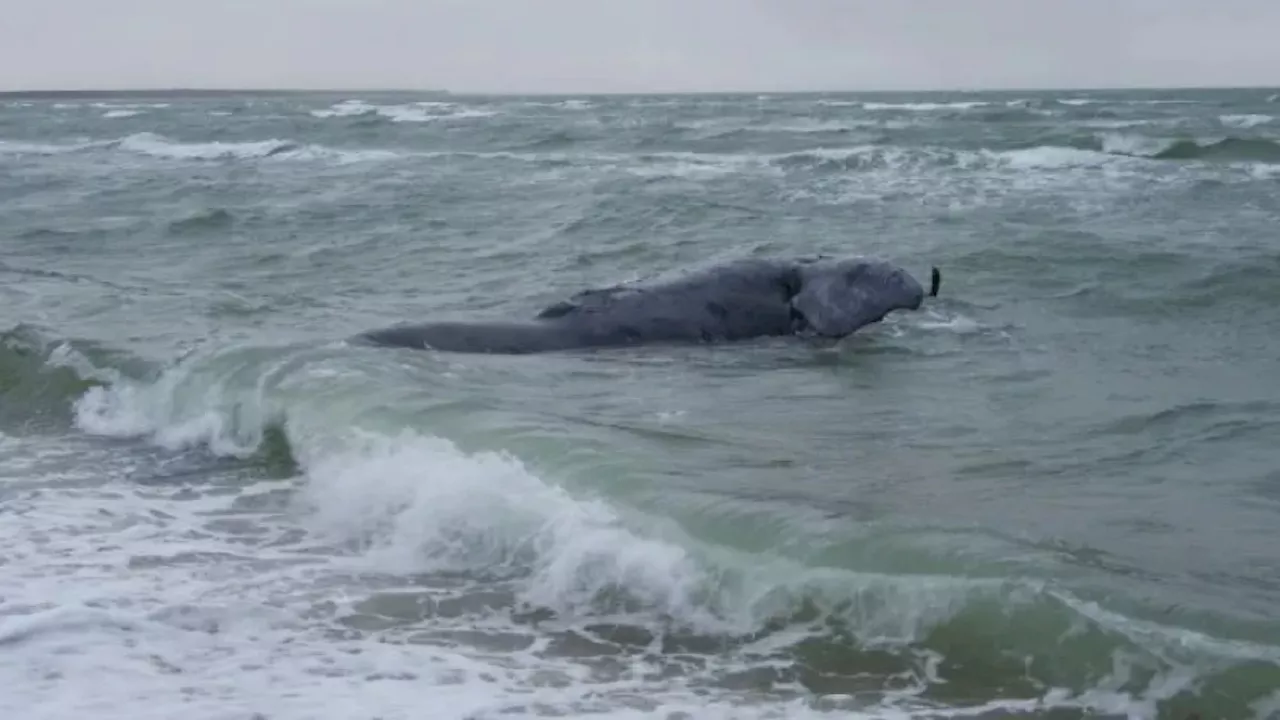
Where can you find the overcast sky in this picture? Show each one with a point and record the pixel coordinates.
(638, 45)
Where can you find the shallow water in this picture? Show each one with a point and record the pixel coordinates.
(1052, 493)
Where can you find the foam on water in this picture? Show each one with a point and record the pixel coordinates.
(418, 112)
(131, 106)
(816, 126)
(925, 106)
(1131, 144)
(159, 146)
(1264, 171)
(170, 588)
(346, 108)
(156, 145)
(156, 597)
(160, 617)
(1246, 121)
(11, 147)
(1054, 157)
(571, 104)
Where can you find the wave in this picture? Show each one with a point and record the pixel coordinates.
(925, 106)
(888, 157)
(1070, 153)
(551, 140)
(934, 106)
(155, 145)
(414, 503)
(1088, 151)
(111, 109)
(130, 106)
(1228, 149)
(558, 150)
(1231, 149)
(40, 376)
(418, 112)
(570, 104)
(1035, 106)
(11, 147)
(158, 146)
(809, 127)
(1246, 121)
(208, 219)
(1078, 101)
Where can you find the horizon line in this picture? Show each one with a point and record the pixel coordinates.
(232, 90)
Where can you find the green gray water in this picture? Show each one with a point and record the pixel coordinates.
(1053, 493)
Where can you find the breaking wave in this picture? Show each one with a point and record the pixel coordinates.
(1092, 152)
(159, 146)
(1246, 121)
(607, 580)
(417, 112)
(1229, 149)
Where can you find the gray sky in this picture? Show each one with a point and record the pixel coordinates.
(637, 45)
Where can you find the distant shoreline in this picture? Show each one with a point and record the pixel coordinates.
(173, 93)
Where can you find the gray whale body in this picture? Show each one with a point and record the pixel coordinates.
(739, 300)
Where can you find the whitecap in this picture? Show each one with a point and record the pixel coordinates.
(1245, 121)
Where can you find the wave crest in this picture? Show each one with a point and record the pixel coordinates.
(410, 503)
(1228, 149)
(41, 376)
(418, 112)
(155, 145)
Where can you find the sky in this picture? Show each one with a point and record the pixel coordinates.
(590, 46)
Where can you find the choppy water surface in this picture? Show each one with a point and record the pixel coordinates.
(1054, 493)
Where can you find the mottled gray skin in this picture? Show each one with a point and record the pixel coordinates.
(736, 301)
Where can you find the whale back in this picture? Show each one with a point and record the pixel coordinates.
(837, 297)
(742, 299)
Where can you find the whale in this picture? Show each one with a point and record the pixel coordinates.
(811, 297)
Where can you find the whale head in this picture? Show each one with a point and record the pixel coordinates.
(837, 297)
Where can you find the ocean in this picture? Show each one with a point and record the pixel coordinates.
(1054, 492)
